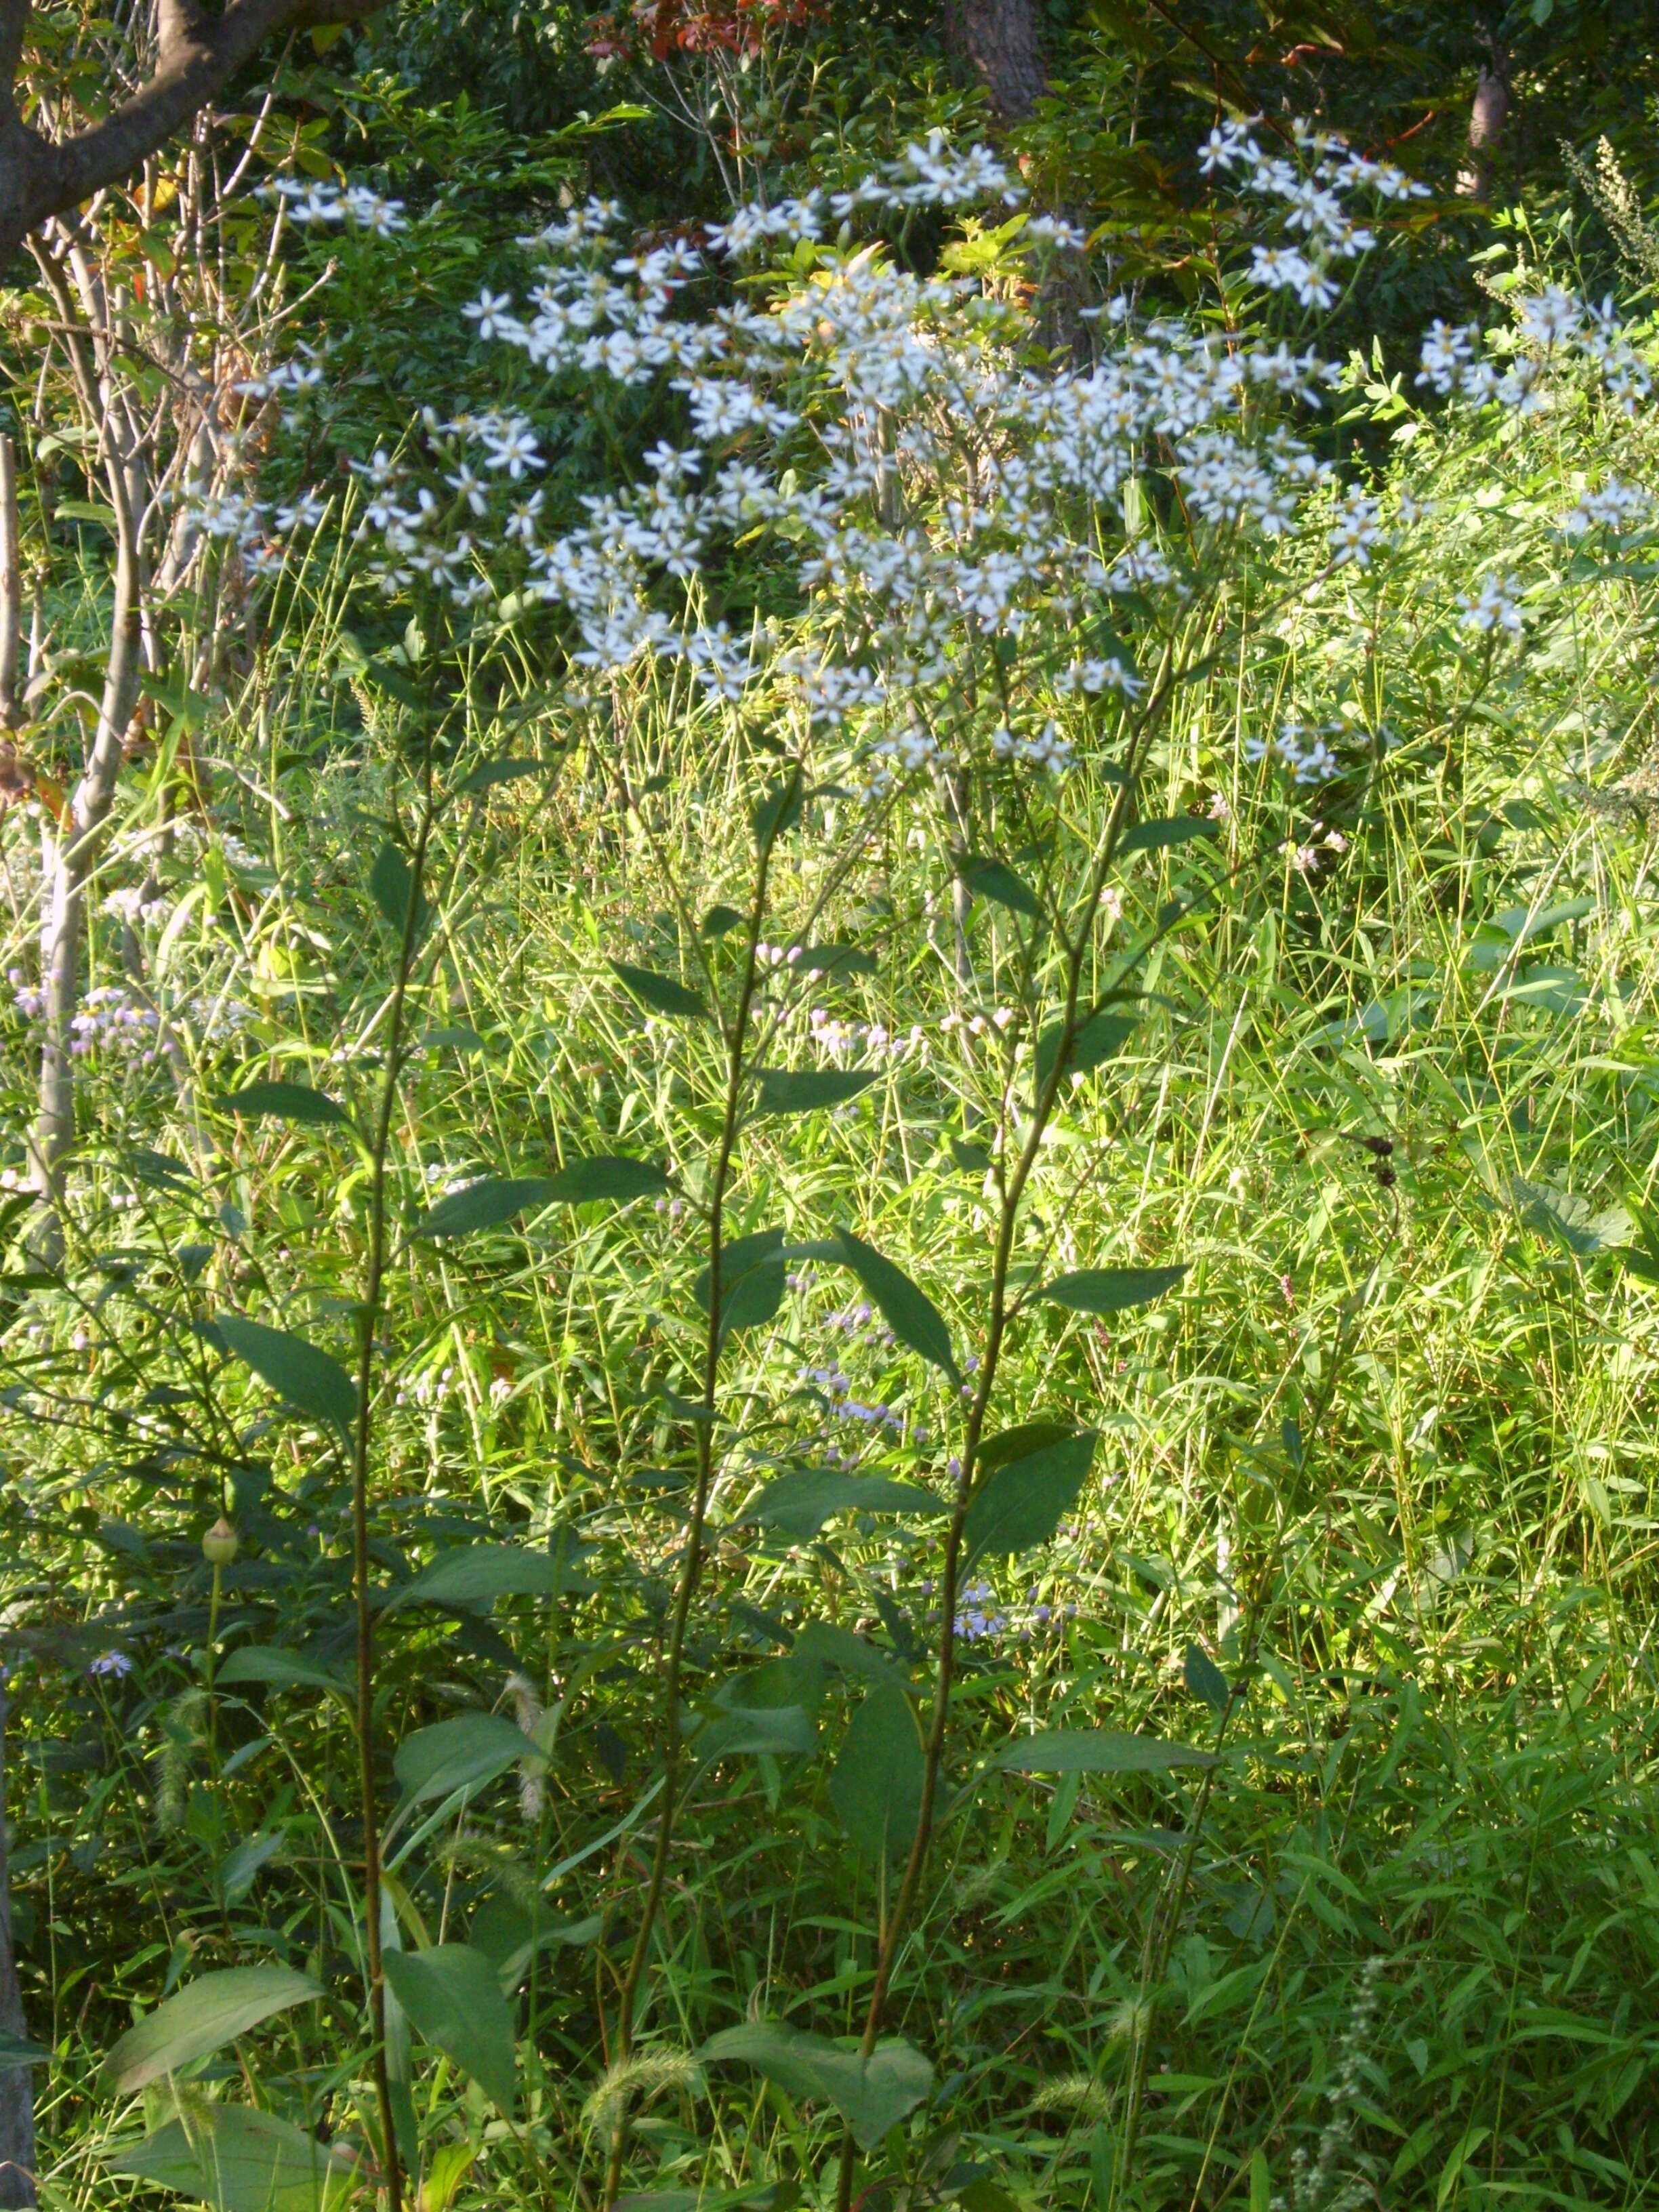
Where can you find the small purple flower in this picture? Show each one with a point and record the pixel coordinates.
(111, 1662)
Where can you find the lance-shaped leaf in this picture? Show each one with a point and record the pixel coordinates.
(608, 1176)
(308, 1380)
(807, 1090)
(1096, 1039)
(908, 1311)
(661, 992)
(1023, 1502)
(800, 1502)
(751, 1281)
(452, 1995)
(1111, 1289)
(392, 881)
(1095, 1751)
(485, 1204)
(1171, 829)
(206, 2014)
(281, 1670)
(876, 1788)
(782, 1731)
(477, 1574)
(286, 1102)
(238, 2160)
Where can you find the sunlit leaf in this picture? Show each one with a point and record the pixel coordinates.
(1023, 1502)
(1111, 1289)
(206, 2014)
(661, 992)
(871, 2094)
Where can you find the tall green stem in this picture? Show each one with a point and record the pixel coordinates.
(367, 1321)
(691, 1562)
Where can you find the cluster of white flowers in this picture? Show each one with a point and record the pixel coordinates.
(841, 1042)
(137, 911)
(837, 419)
(1560, 329)
(328, 203)
(1610, 506)
(1302, 747)
(1495, 607)
(1312, 190)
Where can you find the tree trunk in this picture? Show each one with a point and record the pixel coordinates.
(1487, 116)
(1000, 41)
(16, 2082)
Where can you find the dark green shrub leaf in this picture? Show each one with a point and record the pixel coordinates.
(719, 920)
(488, 773)
(1019, 1442)
(485, 1204)
(751, 1281)
(876, 1788)
(799, 1503)
(453, 1998)
(1025, 1501)
(290, 1101)
(780, 811)
(661, 992)
(306, 1379)
(1111, 1289)
(200, 2018)
(782, 1731)
(804, 1090)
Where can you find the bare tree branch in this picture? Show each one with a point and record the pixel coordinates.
(198, 56)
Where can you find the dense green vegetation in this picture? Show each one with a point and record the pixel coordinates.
(830, 1299)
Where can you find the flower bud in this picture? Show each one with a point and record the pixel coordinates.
(219, 1544)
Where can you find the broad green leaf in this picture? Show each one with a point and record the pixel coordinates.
(912, 1316)
(238, 2160)
(872, 2094)
(477, 1574)
(661, 992)
(719, 921)
(876, 1788)
(453, 1998)
(833, 960)
(288, 1101)
(308, 1380)
(209, 2012)
(1111, 1289)
(1095, 1751)
(392, 881)
(751, 1281)
(608, 1176)
(462, 1754)
(995, 880)
(485, 1204)
(282, 1669)
(458, 1037)
(1173, 830)
(1023, 1502)
(800, 1502)
(805, 1089)
(18, 2050)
